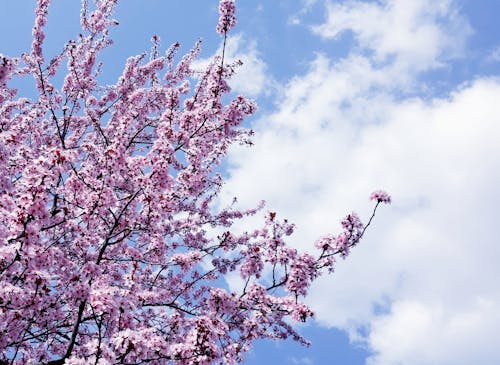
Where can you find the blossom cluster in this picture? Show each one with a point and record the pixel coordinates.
(381, 197)
(5, 69)
(227, 19)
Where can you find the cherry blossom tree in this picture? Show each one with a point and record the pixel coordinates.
(112, 249)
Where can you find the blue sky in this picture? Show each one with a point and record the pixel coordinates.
(355, 96)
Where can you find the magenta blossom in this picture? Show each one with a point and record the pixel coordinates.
(381, 197)
(227, 19)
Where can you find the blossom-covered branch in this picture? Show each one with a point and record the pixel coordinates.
(108, 253)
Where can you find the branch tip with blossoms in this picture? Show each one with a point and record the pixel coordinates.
(381, 197)
(227, 17)
(353, 232)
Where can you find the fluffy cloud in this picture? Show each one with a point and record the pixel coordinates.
(423, 283)
(421, 289)
(419, 34)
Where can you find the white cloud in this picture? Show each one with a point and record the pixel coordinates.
(422, 287)
(420, 34)
(448, 337)
(305, 7)
(430, 260)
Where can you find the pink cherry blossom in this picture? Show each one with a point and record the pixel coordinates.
(227, 19)
(381, 197)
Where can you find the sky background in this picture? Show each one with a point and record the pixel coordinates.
(355, 96)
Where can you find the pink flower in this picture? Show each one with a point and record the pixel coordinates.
(381, 197)
(5, 68)
(227, 19)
